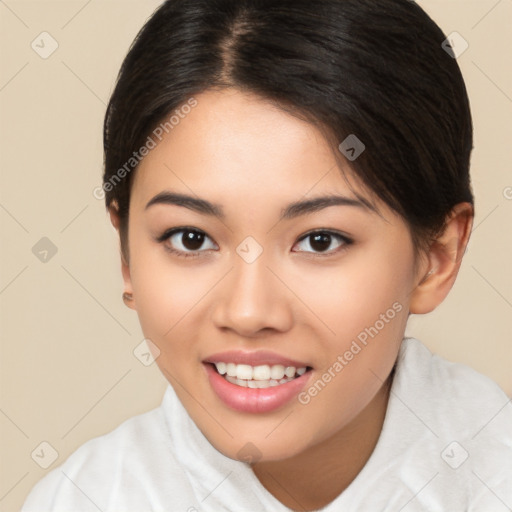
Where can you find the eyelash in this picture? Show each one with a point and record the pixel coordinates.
(170, 232)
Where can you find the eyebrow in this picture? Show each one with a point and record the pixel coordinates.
(291, 211)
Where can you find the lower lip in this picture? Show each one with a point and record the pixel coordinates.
(255, 400)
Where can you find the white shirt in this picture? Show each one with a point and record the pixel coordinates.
(446, 445)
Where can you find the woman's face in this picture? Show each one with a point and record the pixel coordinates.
(256, 285)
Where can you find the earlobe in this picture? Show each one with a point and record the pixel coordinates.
(113, 211)
(444, 260)
(128, 297)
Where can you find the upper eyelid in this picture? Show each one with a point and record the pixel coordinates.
(172, 231)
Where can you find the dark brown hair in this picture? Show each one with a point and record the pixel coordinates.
(373, 69)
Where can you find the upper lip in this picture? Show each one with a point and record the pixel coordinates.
(258, 358)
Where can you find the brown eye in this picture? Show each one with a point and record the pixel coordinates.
(320, 241)
(192, 240)
(185, 242)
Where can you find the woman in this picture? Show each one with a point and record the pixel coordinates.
(290, 181)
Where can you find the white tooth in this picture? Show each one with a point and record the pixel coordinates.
(261, 372)
(290, 371)
(301, 371)
(277, 372)
(231, 379)
(231, 369)
(258, 384)
(221, 368)
(244, 371)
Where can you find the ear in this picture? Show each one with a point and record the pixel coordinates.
(125, 267)
(443, 261)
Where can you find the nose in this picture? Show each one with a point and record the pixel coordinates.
(253, 299)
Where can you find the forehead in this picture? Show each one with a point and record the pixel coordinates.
(239, 142)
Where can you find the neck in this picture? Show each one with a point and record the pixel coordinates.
(331, 465)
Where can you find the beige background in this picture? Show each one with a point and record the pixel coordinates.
(68, 372)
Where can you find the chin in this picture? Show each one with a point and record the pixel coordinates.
(260, 449)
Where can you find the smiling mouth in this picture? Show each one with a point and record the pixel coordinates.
(258, 377)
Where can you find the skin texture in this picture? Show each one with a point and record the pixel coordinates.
(242, 152)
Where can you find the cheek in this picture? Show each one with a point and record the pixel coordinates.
(352, 295)
(368, 323)
(364, 304)
(168, 295)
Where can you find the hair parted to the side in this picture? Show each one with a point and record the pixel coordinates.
(373, 69)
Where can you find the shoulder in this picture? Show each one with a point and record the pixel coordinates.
(109, 468)
(448, 383)
(460, 427)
